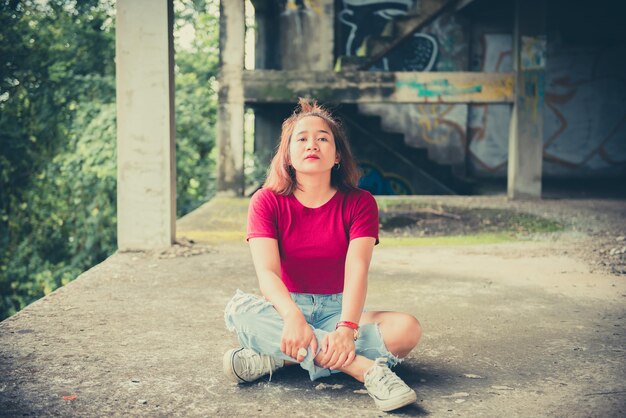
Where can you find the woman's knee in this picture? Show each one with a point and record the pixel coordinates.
(243, 309)
(403, 335)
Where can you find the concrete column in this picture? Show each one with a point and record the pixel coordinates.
(307, 36)
(526, 131)
(230, 177)
(267, 127)
(146, 162)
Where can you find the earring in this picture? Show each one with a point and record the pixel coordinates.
(337, 166)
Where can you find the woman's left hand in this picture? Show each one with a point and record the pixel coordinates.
(338, 349)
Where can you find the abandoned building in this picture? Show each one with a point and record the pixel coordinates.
(437, 96)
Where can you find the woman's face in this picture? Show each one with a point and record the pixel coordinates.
(312, 147)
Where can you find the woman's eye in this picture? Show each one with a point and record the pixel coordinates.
(301, 139)
(322, 139)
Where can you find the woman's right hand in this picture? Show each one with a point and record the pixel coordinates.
(297, 334)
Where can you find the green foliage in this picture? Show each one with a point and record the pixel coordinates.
(69, 208)
(58, 137)
(196, 105)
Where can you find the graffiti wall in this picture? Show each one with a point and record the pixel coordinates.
(584, 113)
(488, 125)
(585, 93)
(442, 46)
(376, 181)
(361, 19)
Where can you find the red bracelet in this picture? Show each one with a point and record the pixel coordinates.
(352, 325)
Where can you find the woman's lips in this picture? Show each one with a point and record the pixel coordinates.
(312, 157)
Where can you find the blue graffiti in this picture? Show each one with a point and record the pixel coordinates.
(378, 183)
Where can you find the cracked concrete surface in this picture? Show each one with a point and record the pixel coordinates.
(514, 329)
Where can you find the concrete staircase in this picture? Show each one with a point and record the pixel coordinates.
(405, 166)
(439, 131)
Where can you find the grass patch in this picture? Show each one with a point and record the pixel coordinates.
(403, 217)
(454, 240)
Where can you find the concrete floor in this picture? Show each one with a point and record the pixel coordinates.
(513, 329)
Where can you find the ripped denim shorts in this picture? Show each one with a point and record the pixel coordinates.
(259, 327)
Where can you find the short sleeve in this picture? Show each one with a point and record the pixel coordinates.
(262, 215)
(364, 221)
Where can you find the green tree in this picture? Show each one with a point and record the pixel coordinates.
(55, 54)
(196, 102)
(57, 137)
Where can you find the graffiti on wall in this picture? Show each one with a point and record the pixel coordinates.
(441, 129)
(294, 5)
(441, 46)
(489, 124)
(584, 112)
(437, 88)
(377, 182)
(368, 18)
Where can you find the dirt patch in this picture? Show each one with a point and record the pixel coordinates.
(594, 229)
(443, 220)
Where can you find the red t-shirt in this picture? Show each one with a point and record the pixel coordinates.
(313, 242)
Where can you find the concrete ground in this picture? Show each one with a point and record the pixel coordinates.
(510, 329)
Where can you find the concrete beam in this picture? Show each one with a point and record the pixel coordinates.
(526, 129)
(146, 162)
(376, 87)
(230, 111)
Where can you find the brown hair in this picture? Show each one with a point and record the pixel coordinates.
(281, 177)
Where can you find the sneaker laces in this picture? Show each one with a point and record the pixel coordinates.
(257, 364)
(387, 378)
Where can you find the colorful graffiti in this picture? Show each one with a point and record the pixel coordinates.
(377, 182)
(584, 112)
(488, 125)
(441, 129)
(293, 5)
(436, 88)
(368, 18)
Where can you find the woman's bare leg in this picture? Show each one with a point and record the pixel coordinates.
(356, 369)
(401, 332)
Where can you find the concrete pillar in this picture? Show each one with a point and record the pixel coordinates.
(526, 130)
(307, 36)
(146, 162)
(230, 111)
(267, 127)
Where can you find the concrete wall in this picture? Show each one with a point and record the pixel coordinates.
(584, 116)
(585, 97)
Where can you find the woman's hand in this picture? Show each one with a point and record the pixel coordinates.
(297, 334)
(338, 349)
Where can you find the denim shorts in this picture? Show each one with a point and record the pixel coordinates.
(259, 327)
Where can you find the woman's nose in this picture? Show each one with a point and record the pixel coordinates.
(311, 144)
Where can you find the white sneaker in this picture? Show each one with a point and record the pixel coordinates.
(388, 390)
(243, 365)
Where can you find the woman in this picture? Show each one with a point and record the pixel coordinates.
(311, 232)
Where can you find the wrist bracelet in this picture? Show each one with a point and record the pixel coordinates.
(349, 324)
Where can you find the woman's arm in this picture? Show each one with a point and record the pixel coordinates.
(355, 283)
(296, 332)
(339, 345)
